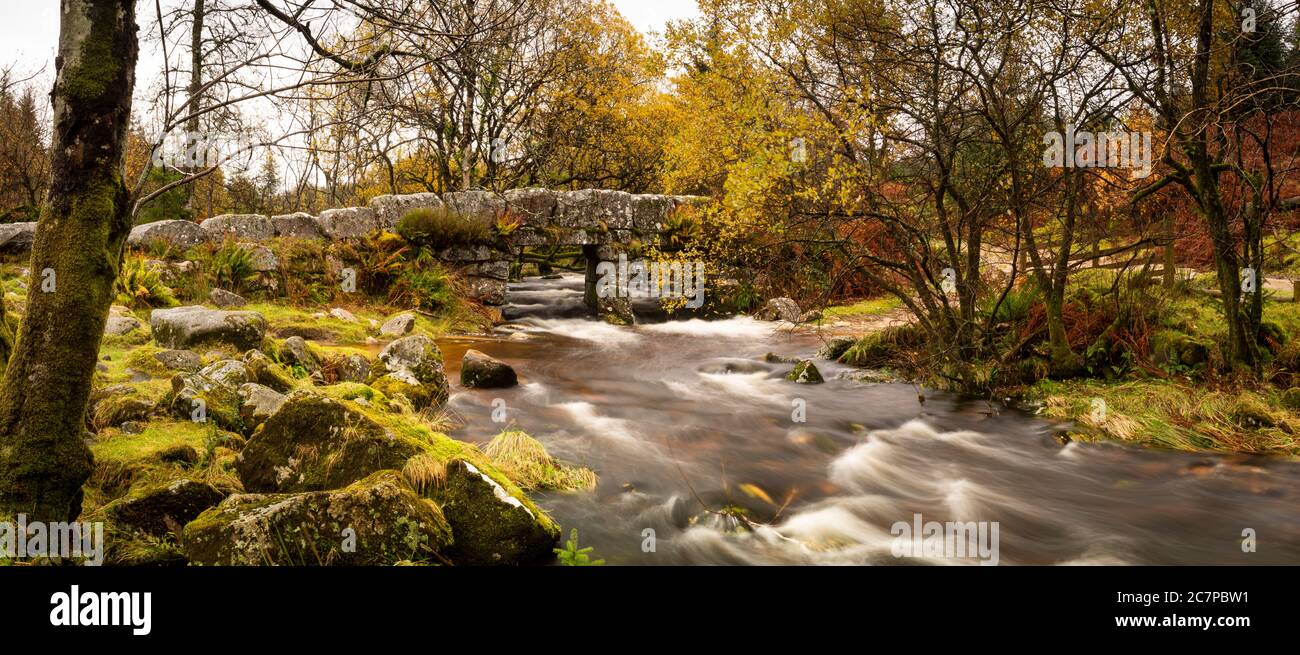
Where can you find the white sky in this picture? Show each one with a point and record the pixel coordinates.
(29, 29)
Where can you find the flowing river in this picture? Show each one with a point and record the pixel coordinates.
(688, 426)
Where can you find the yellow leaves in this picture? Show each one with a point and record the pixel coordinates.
(756, 491)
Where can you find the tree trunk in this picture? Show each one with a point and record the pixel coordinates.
(195, 89)
(75, 261)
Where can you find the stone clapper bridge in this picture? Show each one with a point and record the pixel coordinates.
(604, 223)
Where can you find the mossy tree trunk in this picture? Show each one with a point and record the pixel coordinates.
(75, 261)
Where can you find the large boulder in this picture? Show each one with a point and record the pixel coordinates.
(779, 309)
(390, 209)
(377, 521)
(299, 225)
(411, 367)
(479, 371)
(263, 259)
(492, 524)
(348, 223)
(17, 238)
(241, 227)
(187, 327)
(181, 235)
(315, 443)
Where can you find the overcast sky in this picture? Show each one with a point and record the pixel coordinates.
(30, 29)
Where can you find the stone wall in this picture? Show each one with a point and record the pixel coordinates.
(608, 219)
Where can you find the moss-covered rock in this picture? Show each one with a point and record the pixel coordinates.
(189, 327)
(492, 525)
(805, 372)
(314, 442)
(379, 520)
(117, 409)
(197, 398)
(264, 371)
(155, 508)
(411, 367)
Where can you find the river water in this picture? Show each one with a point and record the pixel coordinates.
(688, 426)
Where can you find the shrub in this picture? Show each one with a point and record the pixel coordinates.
(440, 228)
(428, 288)
(140, 285)
(232, 267)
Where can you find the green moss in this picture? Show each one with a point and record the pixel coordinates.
(157, 437)
(524, 460)
(97, 67)
(873, 307)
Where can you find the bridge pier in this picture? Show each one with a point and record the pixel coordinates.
(592, 253)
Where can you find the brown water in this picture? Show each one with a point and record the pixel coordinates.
(684, 419)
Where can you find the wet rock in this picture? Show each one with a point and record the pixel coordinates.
(186, 327)
(389, 521)
(241, 227)
(398, 326)
(226, 299)
(615, 311)
(486, 290)
(349, 223)
(479, 371)
(181, 235)
(773, 358)
(411, 367)
(179, 360)
(811, 316)
(299, 225)
(154, 509)
(805, 372)
(779, 309)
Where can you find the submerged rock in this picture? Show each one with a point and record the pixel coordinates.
(376, 521)
(186, 327)
(479, 371)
